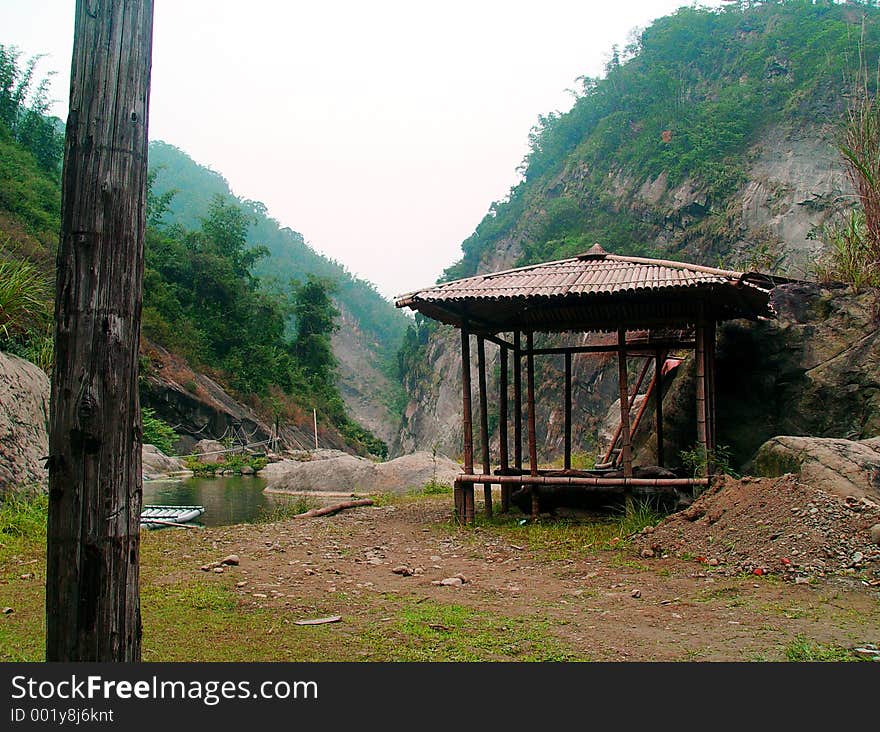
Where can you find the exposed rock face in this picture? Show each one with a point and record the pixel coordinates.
(209, 451)
(842, 467)
(157, 464)
(24, 423)
(794, 180)
(346, 473)
(361, 383)
(198, 407)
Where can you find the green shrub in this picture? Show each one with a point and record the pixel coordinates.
(231, 464)
(158, 432)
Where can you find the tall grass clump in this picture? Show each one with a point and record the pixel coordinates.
(22, 519)
(24, 298)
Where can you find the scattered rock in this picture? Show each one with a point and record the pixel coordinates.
(452, 582)
(647, 553)
(241, 584)
(231, 560)
(403, 570)
(218, 570)
(247, 470)
(8, 611)
(875, 533)
(636, 594)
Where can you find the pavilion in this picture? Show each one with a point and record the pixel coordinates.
(654, 306)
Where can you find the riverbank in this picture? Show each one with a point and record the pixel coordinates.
(551, 591)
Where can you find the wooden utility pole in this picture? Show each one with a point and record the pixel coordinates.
(95, 482)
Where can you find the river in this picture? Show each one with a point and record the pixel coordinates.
(227, 500)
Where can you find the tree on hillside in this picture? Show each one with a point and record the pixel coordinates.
(315, 316)
(24, 103)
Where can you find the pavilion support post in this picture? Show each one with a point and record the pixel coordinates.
(702, 429)
(709, 371)
(517, 400)
(659, 359)
(502, 428)
(632, 401)
(466, 498)
(530, 397)
(626, 438)
(567, 458)
(710, 388)
(484, 422)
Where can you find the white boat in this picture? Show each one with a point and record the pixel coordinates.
(155, 517)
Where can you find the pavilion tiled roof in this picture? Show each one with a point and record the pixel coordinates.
(591, 291)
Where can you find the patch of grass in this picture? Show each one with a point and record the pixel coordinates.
(804, 649)
(729, 596)
(434, 488)
(432, 631)
(284, 508)
(562, 538)
(22, 521)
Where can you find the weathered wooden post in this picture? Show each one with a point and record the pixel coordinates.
(659, 359)
(702, 435)
(465, 497)
(502, 429)
(626, 444)
(95, 482)
(567, 448)
(517, 401)
(484, 423)
(533, 440)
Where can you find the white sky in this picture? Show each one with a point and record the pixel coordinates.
(382, 130)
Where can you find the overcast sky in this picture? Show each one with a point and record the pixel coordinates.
(381, 130)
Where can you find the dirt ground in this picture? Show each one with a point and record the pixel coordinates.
(587, 596)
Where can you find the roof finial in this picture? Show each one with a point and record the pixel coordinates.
(596, 252)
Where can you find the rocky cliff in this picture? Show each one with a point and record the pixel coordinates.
(197, 407)
(365, 388)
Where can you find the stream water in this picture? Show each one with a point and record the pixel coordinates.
(227, 500)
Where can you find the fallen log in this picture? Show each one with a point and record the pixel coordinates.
(335, 508)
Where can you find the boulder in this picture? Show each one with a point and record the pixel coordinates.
(412, 472)
(156, 464)
(24, 424)
(209, 451)
(346, 473)
(842, 467)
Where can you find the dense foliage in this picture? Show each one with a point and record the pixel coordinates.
(685, 100)
(203, 300)
(289, 257)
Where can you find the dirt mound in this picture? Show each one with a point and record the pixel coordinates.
(771, 525)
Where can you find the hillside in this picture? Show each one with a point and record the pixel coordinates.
(710, 139)
(371, 329)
